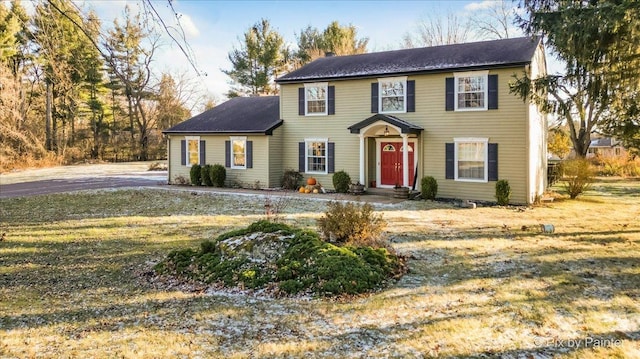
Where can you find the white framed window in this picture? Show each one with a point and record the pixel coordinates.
(471, 159)
(471, 90)
(193, 150)
(315, 97)
(238, 152)
(392, 94)
(316, 155)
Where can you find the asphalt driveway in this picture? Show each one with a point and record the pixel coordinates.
(82, 177)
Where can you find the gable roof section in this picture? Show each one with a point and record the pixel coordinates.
(237, 115)
(603, 142)
(467, 56)
(405, 127)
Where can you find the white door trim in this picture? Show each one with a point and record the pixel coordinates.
(379, 141)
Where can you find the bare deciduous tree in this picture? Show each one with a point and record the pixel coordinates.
(495, 21)
(433, 31)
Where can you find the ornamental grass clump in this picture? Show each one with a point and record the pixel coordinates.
(352, 224)
(578, 175)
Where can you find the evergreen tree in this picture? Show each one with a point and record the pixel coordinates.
(335, 39)
(261, 58)
(599, 42)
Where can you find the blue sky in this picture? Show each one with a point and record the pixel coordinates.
(213, 28)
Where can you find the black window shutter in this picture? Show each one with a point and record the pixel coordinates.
(493, 92)
(331, 157)
(249, 150)
(183, 152)
(411, 96)
(449, 161)
(331, 100)
(203, 151)
(301, 101)
(493, 161)
(301, 156)
(374, 97)
(450, 93)
(227, 154)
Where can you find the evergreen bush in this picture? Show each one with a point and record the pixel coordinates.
(291, 179)
(503, 192)
(429, 187)
(218, 175)
(195, 175)
(206, 175)
(341, 181)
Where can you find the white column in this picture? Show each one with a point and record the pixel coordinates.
(362, 161)
(405, 160)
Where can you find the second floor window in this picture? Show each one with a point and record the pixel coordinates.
(315, 98)
(471, 91)
(393, 94)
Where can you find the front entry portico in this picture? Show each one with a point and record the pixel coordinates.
(396, 150)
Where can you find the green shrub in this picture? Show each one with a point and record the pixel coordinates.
(334, 270)
(291, 179)
(206, 175)
(195, 174)
(218, 175)
(308, 265)
(429, 187)
(578, 176)
(341, 181)
(503, 192)
(351, 223)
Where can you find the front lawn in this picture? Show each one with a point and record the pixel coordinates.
(74, 281)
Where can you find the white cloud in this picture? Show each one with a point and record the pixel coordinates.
(190, 29)
(486, 4)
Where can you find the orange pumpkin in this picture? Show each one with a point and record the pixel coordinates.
(311, 181)
(301, 189)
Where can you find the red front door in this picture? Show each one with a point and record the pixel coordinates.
(391, 169)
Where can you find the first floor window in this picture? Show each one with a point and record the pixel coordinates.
(471, 159)
(315, 98)
(239, 154)
(471, 91)
(316, 156)
(193, 150)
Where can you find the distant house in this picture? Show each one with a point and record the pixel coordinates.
(605, 147)
(386, 118)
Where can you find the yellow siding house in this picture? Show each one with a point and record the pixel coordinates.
(390, 118)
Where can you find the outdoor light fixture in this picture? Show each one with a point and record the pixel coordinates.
(386, 130)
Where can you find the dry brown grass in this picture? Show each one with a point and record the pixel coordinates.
(483, 282)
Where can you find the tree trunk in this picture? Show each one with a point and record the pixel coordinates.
(131, 114)
(48, 140)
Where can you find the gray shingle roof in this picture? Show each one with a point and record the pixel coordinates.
(603, 142)
(473, 55)
(237, 115)
(405, 126)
